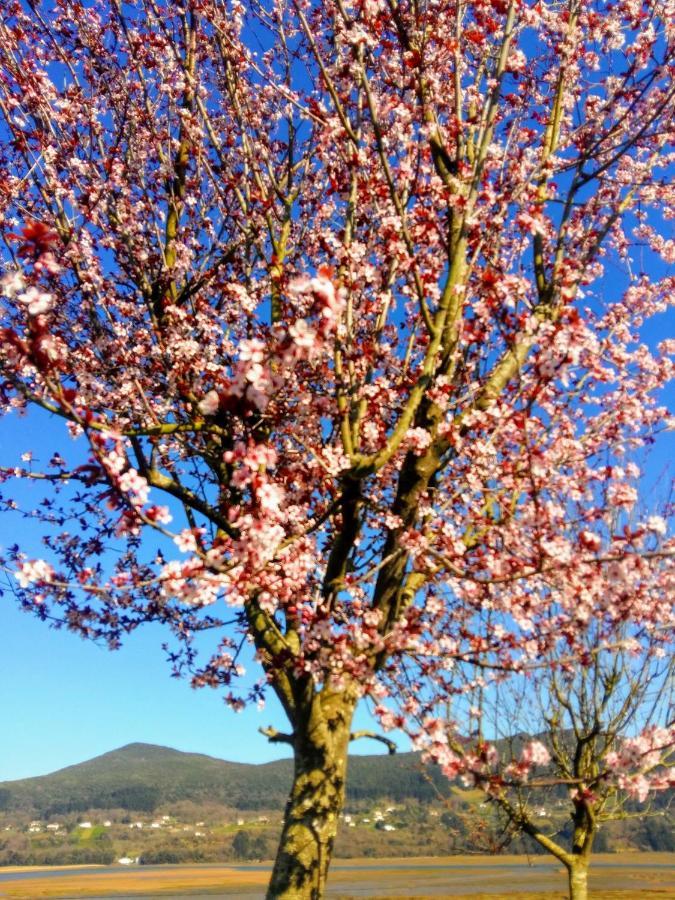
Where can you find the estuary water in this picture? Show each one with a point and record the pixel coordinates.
(635, 875)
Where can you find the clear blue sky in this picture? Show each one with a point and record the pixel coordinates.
(64, 699)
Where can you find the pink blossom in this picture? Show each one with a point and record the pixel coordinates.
(303, 336)
(328, 300)
(12, 283)
(187, 539)
(535, 754)
(418, 439)
(269, 496)
(209, 404)
(657, 524)
(159, 514)
(622, 495)
(636, 786)
(36, 301)
(34, 571)
(132, 483)
(590, 541)
(251, 351)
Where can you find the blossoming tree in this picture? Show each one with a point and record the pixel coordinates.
(586, 716)
(308, 283)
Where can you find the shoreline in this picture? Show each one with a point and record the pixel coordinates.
(620, 858)
(615, 876)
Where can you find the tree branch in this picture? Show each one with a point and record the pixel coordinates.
(276, 737)
(357, 735)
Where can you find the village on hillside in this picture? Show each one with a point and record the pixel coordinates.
(214, 833)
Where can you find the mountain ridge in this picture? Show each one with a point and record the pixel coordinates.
(200, 803)
(140, 777)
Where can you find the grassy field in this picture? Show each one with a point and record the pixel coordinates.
(649, 875)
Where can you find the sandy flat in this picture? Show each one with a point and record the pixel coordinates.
(615, 877)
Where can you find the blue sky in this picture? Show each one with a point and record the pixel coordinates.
(64, 699)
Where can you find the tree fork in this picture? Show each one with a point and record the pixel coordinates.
(416, 474)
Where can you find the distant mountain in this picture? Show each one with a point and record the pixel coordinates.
(141, 777)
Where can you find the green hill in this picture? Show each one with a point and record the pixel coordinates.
(141, 777)
(210, 810)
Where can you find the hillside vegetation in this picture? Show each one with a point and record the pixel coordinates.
(157, 805)
(143, 777)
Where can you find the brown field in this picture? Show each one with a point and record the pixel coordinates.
(619, 877)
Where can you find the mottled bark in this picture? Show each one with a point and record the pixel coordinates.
(320, 746)
(578, 880)
(584, 828)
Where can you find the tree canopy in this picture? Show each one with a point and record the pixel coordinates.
(340, 300)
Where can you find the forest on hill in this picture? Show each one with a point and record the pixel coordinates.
(153, 804)
(143, 777)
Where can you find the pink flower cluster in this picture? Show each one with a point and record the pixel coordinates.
(35, 571)
(326, 303)
(532, 755)
(640, 765)
(132, 486)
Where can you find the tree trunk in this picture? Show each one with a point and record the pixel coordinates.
(321, 742)
(578, 881)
